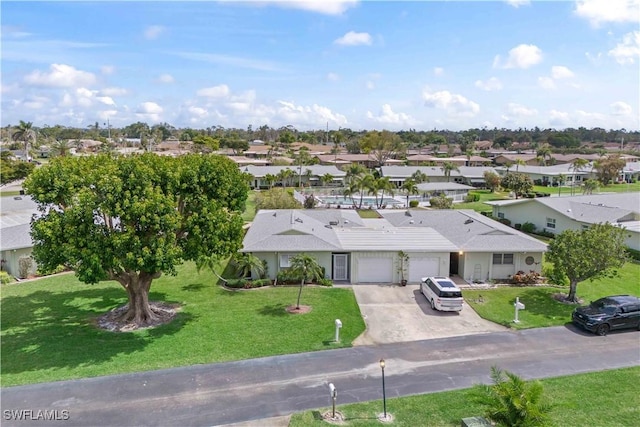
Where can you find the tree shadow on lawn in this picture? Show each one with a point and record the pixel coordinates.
(275, 310)
(45, 330)
(541, 302)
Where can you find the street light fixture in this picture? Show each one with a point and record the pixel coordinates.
(384, 394)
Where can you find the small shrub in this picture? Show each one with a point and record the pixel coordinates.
(413, 203)
(517, 226)
(259, 283)
(5, 278)
(325, 282)
(554, 276)
(522, 278)
(237, 283)
(634, 254)
(528, 227)
(505, 221)
(472, 197)
(25, 264)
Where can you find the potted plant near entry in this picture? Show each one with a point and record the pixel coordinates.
(403, 265)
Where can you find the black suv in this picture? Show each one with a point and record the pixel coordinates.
(609, 313)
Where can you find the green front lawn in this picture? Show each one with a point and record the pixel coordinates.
(541, 309)
(250, 208)
(485, 196)
(48, 332)
(577, 191)
(603, 399)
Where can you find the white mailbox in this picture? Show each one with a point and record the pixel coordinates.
(519, 306)
(338, 326)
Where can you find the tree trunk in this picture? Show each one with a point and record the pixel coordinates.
(300, 293)
(137, 286)
(573, 286)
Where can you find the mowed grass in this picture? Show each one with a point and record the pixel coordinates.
(485, 196)
(603, 399)
(48, 331)
(250, 207)
(541, 309)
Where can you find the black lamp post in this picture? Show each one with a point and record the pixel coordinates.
(384, 394)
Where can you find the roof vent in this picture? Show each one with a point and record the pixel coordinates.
(411, 222)
(298, 220)
(17, 198)
(328, 226)
(333, 222)
(346, 221)
(469, 221)
(407, 213)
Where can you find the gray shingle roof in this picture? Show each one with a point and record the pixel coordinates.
(316, 170)
(15, 220)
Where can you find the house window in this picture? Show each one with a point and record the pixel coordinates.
(551, 223)
(285, 260)
(499, 259)
(501, 215)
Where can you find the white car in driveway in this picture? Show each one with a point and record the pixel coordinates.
(442, 293)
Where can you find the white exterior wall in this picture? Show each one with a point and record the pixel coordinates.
(11, 264)
(273, 261)
(632, 239)
(489, 271)
(467, 268)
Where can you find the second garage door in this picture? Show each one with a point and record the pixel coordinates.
(420, 267)
(375, 270)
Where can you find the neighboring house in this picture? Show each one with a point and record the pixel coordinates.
(532, 158)
(556, 214)
(15, 237)
(457, 192)
(631, 172)
(356, 250)
(469, 175)
(366, 160)
(311, 178)
(551, 175)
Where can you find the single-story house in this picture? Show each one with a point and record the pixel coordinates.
(550, 175)
(453, 190)
(366, 160)
(468, 175)
(310, 175)
(556, 214)
(352, 249)
(630, 172)
(15, 235)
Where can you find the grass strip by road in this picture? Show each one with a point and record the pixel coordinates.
(48, 331)
(541, 309)
(603, 399)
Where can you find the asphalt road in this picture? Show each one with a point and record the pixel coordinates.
(224, 393)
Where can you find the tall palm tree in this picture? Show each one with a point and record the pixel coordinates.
(305, 267)
(448, 167)
(381, 185)
(284, 175)
(364, 182)
(589, 186)
(577, 165)
(561, 180)
(544, 152)
(326, 179)
(61, 148)
(419, 177)
(270, 179)
(520, 162)
(410, 187)
(26, 134)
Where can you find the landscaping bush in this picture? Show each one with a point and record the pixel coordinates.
(472, 197)
(530, 278)
(545, 233)
(5, 278)
(634, 254)
(505, 221)
(325, 282)
(237, 283)
(413, 203)
(554, 276)
(528, 227)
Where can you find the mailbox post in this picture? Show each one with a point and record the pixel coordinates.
(333, 395)
(519, 306)
(338, 326)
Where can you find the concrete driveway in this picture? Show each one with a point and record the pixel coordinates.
(395, 313)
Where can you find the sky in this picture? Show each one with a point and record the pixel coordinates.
(362, 65)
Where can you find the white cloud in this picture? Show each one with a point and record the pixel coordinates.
(492, 83)
(166, 78)
(518, 3)
(35, 102)
(389, 117)
(546, 83)
(153, 32)
(621, 109)
(107, 100)
(561, 72)
(558, 118)
(354, 39)
(438, 71)
(149, 111)
(520, 110)
(198, 112)
(333, 77)
(326, 7)
(626, 51)
(60, 75)
(454, 104)
(521, 56)
(107, 69)
(594, 58)
(314, 115)
(219, 91)
(113, 91)
(601, 11)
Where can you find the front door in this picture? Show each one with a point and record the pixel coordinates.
(340, 264)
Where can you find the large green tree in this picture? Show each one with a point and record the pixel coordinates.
(383, 145)
(519, 183)
(595, 252)
(130, 219)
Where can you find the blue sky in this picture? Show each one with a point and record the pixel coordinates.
(357, 64)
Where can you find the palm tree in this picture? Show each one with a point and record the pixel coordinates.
(544, 153)
(577, 165)
(419, 177)
(382, 184)
(589, 186)
(326, 179)
(246, 264)
(270, 179)
(306, 268)
(561, 180)
(284, 176)
(512, 401)
(25, 133)
(410, 187)
(520, 162)
(364, 182)
(61, 148)
(447, 167)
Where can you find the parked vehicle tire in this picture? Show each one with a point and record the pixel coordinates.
(603, 329)
(433, 305)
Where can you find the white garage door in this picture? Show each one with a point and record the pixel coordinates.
(420, 267)
(375, 270)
